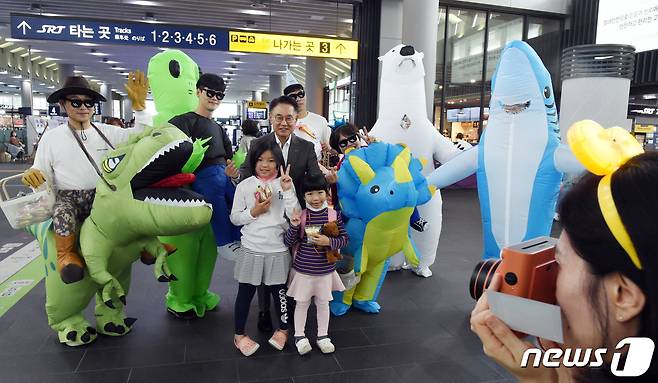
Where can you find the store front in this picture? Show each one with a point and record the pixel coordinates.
(463, 72)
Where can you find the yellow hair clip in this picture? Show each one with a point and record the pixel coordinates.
(603, 151)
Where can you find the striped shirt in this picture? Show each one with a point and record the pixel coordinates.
(311, 259)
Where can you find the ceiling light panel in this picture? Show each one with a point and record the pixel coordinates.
(255, 12)
(144, 3)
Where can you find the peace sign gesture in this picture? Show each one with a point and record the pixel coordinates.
(363, 133)
(296, 218)
(286, 181)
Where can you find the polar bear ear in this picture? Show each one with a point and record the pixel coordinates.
(421, 54)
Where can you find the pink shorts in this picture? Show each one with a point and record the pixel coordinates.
(303, 287)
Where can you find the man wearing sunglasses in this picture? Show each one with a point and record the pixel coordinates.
(213, 176)
(310, 126)
(68, 158)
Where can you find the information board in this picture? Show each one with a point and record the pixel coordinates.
(117, 32)
(628, 22)
(294, 45)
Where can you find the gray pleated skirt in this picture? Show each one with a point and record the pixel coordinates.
(267, 268)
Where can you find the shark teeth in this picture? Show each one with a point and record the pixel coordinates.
(164, 150)
(515, 108)
(176, 203)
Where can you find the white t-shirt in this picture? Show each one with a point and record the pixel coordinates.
(319, 128)
(62, 161)
(264, 233)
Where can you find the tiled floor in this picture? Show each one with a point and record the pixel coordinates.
(421, 335)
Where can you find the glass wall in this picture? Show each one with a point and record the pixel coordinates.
(464, 52)
(464, 72)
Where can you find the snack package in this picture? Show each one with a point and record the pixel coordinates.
(263, 192)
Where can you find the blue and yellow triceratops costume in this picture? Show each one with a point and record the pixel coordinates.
(378, 189)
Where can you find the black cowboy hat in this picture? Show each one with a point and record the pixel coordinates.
(75, 85)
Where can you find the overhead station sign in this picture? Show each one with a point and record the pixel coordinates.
(33, 27)
(294, 45)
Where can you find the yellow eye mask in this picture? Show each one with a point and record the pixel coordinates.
(603, 151)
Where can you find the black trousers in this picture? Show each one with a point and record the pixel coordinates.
(246, 293)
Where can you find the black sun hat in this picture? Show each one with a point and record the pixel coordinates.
(75, 85)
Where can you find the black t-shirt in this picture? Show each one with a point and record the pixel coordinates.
(196, 126)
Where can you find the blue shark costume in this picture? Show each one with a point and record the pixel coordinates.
(519, 154)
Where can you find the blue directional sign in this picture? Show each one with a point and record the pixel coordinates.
(34, 27)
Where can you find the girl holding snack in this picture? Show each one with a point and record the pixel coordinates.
(259, 206)
(316, 235)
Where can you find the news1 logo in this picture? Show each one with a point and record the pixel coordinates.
(638, 357)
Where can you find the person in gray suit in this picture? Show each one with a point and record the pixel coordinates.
(300, 155)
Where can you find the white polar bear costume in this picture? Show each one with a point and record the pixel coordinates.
(403, 119)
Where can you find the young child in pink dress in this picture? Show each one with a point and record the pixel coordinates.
(312, 274)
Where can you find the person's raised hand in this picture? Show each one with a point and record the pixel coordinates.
(296, 218)
(366, 136)
(231, 170)
(286, 180)
(261, 207)
(137, 88)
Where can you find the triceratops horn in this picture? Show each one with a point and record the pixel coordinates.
(362, 169)
(401, 166)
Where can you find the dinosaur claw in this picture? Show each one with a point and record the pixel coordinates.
(91, 330)
(71, 335)
(129, 321)
(109, 304)
(172, 277)
(120, 329)
(123, 299)
(85, 338)
(163, 278)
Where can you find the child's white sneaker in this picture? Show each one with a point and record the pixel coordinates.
(304, 346)
(326, 346)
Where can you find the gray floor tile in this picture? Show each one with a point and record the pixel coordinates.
(107, 358)
(258, 368)
(218, 371)
(379, 375)
(108, 376)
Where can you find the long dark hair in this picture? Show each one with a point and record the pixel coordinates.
(634, 188)
(260, 146)
(250, 128)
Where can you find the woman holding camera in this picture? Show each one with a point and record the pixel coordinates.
(607, 285)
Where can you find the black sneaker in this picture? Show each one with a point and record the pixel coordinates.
(419, 225)
(265, 321)
(189, 314)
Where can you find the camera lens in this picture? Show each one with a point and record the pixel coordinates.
(511, 279)
(481, 277)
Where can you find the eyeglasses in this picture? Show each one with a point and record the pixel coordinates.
(289, 119)
(218, 94)
(77, 103)
(298, 95)
(349, 140)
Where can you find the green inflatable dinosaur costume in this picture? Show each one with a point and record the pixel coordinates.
(172, 76)
(122, 228)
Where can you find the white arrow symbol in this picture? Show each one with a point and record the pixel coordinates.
(24, 25)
